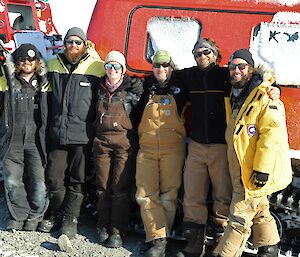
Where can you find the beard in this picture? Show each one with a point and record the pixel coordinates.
(241, 83)
(75, 57)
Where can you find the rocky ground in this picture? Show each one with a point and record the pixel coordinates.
(36, 244)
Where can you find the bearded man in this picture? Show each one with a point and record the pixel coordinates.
(73, 77)
(24, 164)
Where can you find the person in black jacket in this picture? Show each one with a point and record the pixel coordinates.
(73, 77)
(115, 148)
(206, 164)
(24, 165)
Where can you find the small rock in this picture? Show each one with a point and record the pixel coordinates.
(64, 244)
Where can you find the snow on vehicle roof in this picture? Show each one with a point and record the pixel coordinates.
(280, 2)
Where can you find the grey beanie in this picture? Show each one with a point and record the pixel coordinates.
(244, 54)
(202, 42)
(75, 31)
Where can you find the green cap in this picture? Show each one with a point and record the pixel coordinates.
(162, 56)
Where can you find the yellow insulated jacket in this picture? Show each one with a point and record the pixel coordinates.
(260, 142)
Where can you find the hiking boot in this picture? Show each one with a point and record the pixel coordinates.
(69, 226)
(102, 235)
(51, 224)
(158, 248)
(31, 224)
(115, 239)
(14, 225)
(194, 234)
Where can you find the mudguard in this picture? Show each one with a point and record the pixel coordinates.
(7, 117)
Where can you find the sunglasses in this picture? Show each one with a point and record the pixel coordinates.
(241, 66)
(205, 52)
(71, 42)
(24, 59)
(165, 65)
(116, 66)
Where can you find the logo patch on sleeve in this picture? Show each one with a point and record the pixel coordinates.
(251, 130)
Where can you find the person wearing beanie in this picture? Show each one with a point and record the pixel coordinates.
(161, 154)
(206, 166)
(115, 146)
(258, 156)
(73, 78)
(24, 163)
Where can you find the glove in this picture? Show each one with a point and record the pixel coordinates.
(259, 179)
(137, 85)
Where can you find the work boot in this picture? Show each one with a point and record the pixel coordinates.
(158, 248)
(32, 224)
(14, 225)
(194, 234)
(268, 251)
(115, 239)
(69, 226)
(51, 224)
(102, 235)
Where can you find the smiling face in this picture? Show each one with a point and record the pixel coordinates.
(27, 65)
(240, 72)
(204, 57)
(74, 48)
(162, 71)
(114, 71)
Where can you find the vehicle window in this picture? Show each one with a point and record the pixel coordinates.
(20, 17)
(277, 45)
(175, 35)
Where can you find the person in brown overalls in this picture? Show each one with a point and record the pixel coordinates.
(115, 148)
(162, 152)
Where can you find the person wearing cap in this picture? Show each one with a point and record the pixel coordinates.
(73, 78)
(162, 152)
(115, 147)
(206, 166)
(259, 162)
(24, 164)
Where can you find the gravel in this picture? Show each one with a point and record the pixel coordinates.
(35, 244)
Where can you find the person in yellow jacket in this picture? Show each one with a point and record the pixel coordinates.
(258, 158)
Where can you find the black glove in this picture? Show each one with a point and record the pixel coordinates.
(259, 179)
(137, 85)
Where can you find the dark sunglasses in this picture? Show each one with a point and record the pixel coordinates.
(71, 42)
(205, 52)
(165, 65)
(241, 66)
(24, 59)
(116, 66)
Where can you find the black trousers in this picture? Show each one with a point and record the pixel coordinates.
(65, 175)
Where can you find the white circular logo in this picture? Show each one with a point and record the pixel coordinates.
(31, 53)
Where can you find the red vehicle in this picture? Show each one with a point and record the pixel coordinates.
(28, 21)
(271, 30)
(139, 27)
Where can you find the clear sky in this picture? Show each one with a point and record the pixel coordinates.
(70, 13)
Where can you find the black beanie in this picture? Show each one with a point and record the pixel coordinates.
(75, 31)
(244, 54)
(26, 50)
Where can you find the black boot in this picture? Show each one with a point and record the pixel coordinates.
(115, 239)
(158, 248)
(69, 226)
(268, 251)
(53, 223)
(102, 235)
(194, 234)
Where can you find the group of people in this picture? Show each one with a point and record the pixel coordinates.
(135, 131)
